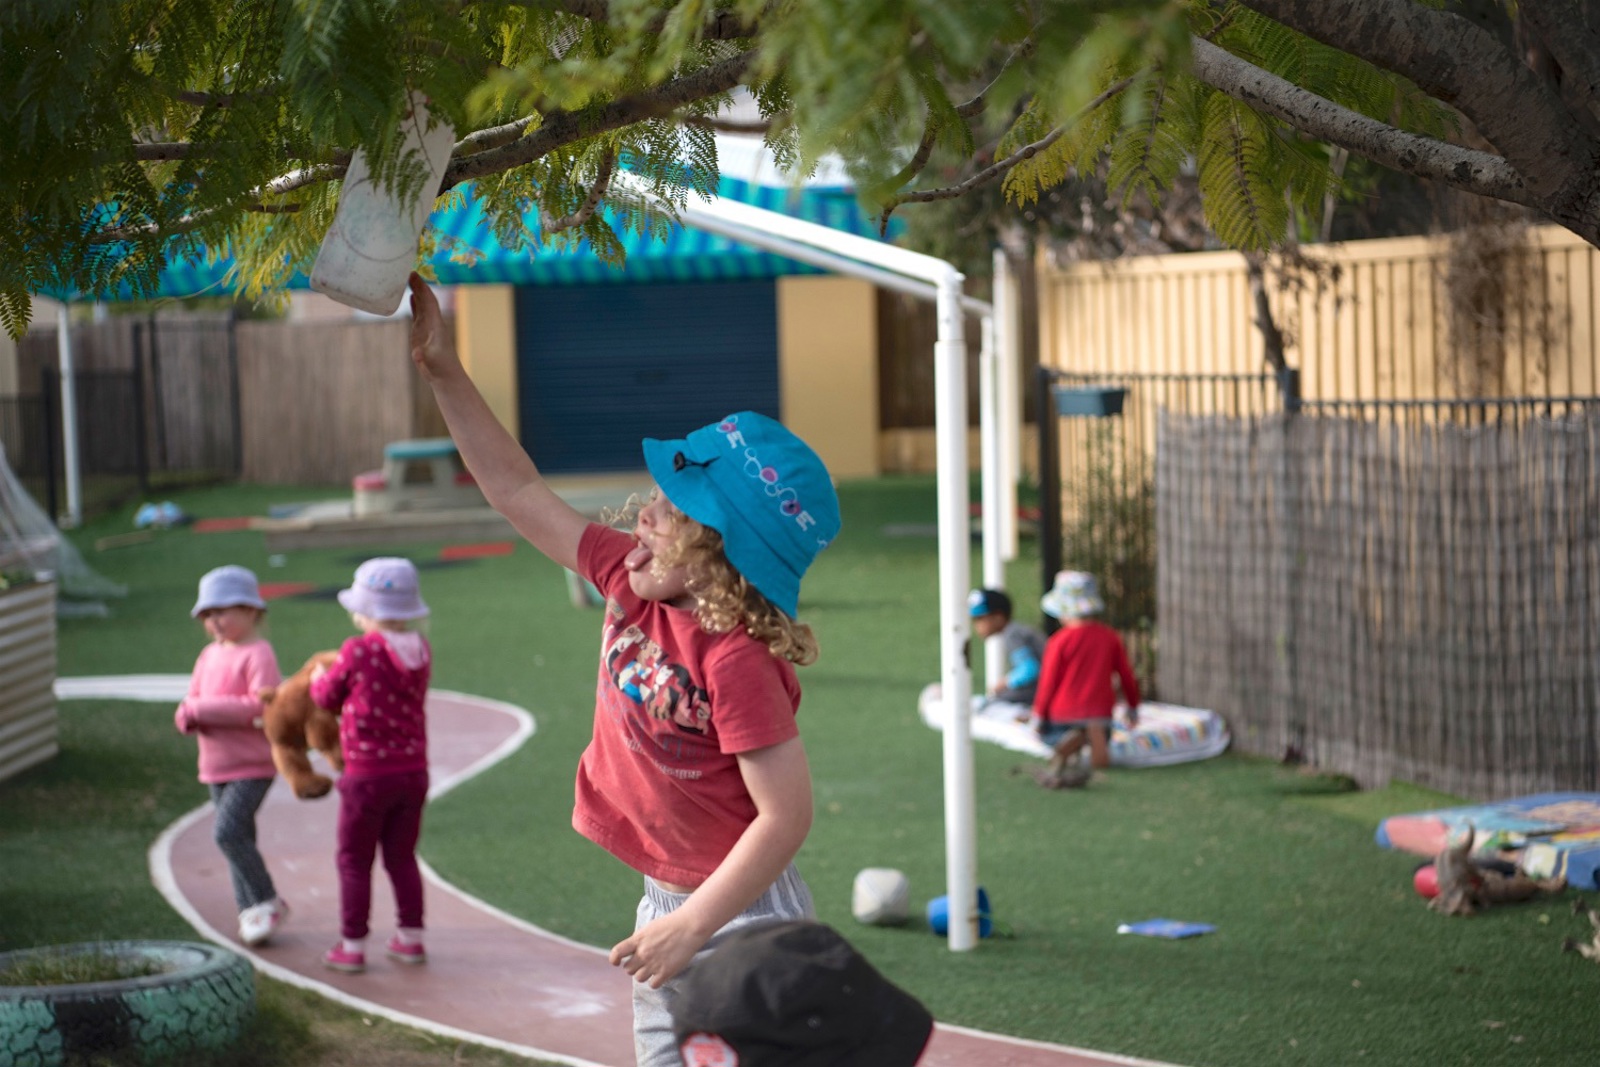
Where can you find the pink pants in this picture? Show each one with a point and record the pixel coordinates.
(382, 811)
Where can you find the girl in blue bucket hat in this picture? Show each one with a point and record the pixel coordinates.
(695, 775)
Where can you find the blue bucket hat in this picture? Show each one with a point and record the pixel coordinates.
(760, 487)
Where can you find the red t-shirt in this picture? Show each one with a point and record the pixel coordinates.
(1075, 677)
(659, 785)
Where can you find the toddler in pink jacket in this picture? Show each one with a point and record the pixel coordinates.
(379, 688)
(223, 711)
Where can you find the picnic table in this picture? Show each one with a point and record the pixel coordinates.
(424, 472)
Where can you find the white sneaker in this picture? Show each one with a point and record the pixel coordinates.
(259, 922)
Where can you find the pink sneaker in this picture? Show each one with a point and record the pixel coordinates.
(337, 959)
(405, 951)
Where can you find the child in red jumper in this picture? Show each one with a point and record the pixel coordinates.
(1074, 702)
(378, 685)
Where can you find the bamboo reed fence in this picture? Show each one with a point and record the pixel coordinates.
(1407, 598)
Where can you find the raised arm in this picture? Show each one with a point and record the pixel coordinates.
(509, 480)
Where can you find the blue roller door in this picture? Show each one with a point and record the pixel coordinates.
(602, 366)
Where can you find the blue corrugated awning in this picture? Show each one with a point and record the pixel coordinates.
(469, 253)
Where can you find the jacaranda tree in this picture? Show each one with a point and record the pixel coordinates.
(142, 129)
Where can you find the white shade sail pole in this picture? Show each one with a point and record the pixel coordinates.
(994, 566)
(1008, 349)
(955, 622)
(69, 419)
(789, 236)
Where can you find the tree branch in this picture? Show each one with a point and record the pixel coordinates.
(1463, 168)
(295, 179)
(1573, 44)
(491, 137)
(723, 26)
(728, 126)
(562, 128)
(161, 152)
(597, 192)
(919, 158)
(512, 145)
(1463, 64)
(998, 168)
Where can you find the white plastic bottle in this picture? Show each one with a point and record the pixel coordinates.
(371, 248)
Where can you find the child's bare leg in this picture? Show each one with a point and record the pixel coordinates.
(1066, 748)
(1099, 748)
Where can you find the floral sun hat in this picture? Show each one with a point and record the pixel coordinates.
(1074, 596)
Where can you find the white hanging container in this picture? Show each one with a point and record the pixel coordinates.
(371, 248)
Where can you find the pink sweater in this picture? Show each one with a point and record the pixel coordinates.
(222, 708)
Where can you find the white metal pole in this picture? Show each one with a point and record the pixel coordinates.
(994, 567)
(768, 228)
(1007, 342)
(955, 541)
(69, 418)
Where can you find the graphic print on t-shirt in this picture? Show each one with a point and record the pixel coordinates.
(641, 671)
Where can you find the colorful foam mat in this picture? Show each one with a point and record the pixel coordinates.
(1546, 834)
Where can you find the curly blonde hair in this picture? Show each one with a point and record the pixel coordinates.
(723, 599)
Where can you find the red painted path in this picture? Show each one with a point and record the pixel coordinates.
(491, 978)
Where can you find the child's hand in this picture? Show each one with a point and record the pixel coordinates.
(1133, 718)
(432, 351)
(267, 694)
(185, 719)
(658, 951)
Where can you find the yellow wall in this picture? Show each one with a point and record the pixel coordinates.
(486, 338)
(828, 369)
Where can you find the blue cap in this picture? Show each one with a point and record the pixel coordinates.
(760, 487)
(981, 602)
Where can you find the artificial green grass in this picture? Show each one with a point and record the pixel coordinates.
(1322, 954)
(75, 833)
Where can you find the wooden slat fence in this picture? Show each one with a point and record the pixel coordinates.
(1407, 599)
(320, 400)
(1371, 323)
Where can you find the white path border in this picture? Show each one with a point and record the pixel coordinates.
(160, 688)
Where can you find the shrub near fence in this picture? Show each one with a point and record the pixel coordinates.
(1409, 599)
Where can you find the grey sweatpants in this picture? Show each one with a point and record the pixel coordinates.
(235, 834)
(653, 1046)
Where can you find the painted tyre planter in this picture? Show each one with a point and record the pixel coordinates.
(201, 999)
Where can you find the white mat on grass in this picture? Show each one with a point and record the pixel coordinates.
(1167, 733)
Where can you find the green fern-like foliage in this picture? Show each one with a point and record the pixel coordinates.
(144, 130)
(1243, 204)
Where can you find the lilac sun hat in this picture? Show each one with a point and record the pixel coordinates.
(228, 587)
(385, 589)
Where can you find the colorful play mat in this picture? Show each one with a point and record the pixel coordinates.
(1546, 835)
(1167, 733)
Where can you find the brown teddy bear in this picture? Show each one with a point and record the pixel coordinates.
(294, 724)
